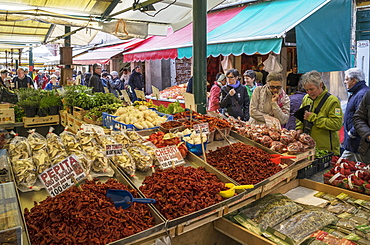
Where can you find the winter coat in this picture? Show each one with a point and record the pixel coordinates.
(295, 104)
(96, 83)
(236, 105)
(261, 105)
(136, 81)
(22, 83)
(214, 97)
(114, 85)
(326, 124)
(361, 121)
(351, 143)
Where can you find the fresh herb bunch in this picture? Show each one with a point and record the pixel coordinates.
(19, 113)
(320, 153)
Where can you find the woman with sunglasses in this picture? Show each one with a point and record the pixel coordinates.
(234, 96)
(270, 100)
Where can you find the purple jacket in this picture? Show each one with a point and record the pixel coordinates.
(295, 103)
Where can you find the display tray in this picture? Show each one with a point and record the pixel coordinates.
(206, 215)
(244, 236)
(310, 154)
(27, 201)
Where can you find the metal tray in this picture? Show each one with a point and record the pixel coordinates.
(27, 200)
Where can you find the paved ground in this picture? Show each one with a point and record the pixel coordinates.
(318, 177)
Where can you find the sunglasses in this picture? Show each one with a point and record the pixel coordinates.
(230, 77)
(275, 87)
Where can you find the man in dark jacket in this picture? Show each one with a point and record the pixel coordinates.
(22, 80)
(354, 79)
(136, 82)
(95, 80)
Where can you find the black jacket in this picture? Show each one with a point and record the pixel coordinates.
(136, 81)
(237, 105)
(361, 121)
(22, 83)
(96, 83)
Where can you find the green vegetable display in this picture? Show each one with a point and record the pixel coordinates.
(320, 153)
(172, 108)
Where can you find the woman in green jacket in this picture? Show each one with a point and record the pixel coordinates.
(328, 121)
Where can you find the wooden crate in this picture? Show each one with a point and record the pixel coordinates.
(63, 117)
(79, 113)
(77, 125)
(70, 121)
(7, 116)
(30, 122)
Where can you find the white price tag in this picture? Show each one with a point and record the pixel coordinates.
(272, 122)
(89, 129)
(202, 126)
(58, 178)
(114, 149)
(167, 155)
(190, 101)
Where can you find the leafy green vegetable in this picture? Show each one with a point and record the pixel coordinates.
(320, 153)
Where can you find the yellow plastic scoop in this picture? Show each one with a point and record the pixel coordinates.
(231, 191)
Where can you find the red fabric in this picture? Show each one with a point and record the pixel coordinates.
(160, 47)
(341, 134)
(214, 98)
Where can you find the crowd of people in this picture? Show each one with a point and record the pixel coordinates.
(305, 106)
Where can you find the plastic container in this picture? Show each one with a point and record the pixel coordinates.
(10, 216)
(196, 149)
(108, 120)
(4, 167)
(323, 162)
(307, 171)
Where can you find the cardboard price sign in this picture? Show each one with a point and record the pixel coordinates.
(189, 101)
(202, 126)
(140, 94)
(58, 178)
(155, 92)
(89, 129)
(167, 155)
(125, 96)
(272, 122)
(114, 149)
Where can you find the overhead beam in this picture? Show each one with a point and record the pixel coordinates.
(19, 33)
(110, 9)
(51, 29)
(20, 26)
(65, 35)
(137, 7)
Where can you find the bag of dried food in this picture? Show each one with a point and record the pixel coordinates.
(41, 160)
(55, 147)
(25, 172)
(304, 223)
(36, 140)
(70, 142)
(125, 162)
(121, 138)
(134, 136)
(100, 165)
(84, 161)
(271, 210)
(142, 159)
(19, 148)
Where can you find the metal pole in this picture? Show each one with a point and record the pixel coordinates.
(67, 40)
(199, 54)
(30, 62)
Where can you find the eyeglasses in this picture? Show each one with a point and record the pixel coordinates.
(230, 77)
(275, 87)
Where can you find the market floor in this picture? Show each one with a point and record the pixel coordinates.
(318, 177)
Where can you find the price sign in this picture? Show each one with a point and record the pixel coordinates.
(167, 155)
(140, 94)
(114, 149)
(89, 129)
(106, 90)
(155, 92)
(272, 122)
(189, 101)
(202, 126)
(58, 178)
(125, 96)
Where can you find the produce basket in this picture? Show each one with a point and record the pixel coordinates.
(116, 124)
(307, 171)
(108, 120)
(90, 121)
(79, 113)
(323, 162)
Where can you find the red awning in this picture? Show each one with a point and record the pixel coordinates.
(104, 54)
(159, 47)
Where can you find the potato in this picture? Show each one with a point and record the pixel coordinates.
(138, 125)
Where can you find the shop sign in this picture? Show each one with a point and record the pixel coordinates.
(202, 126)
(169, 156)
(58, 178)
(113, 149)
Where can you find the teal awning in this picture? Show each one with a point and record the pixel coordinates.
(258, 28)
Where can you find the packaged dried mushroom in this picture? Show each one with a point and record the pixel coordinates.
(19, 148)
(25, 172)
(70, 142)
(142, 159)
(36, 140)
(121, 138)
(41, 160)
(125, 162)
(134, 136)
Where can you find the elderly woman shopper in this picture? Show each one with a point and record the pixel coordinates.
(114, 84)
(323, 124)
(270, 100)
(234, 96)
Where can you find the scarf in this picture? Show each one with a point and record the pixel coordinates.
(263, 96)
(235, 85)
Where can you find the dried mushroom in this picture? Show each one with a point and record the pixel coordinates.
(25, 172)
(142, 159)
(125, 162)
(41, 160)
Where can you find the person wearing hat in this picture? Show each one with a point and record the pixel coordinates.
(250, 81)
(214, 94)
(3, 76)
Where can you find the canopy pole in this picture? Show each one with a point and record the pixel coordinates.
(30, 62)
(199, 54)
(67, 40)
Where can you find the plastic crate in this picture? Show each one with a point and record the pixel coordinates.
(116, 124)
(108, 120)
(323, 162)
(307, 171)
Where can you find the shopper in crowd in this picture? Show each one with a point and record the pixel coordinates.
(270, 100)
(46, 74)
(104, 79)
(95, 80)
(86, 79)
(114, 84)
(261, 69)
(57, 73)
(189, 87)
(250, 81)
(53, 83)
(21, 80)
(234, 96)
(295, 104)
(41, 80)
(322, 124)
(78, 80)
(214, 95)
(136, 81)
(3, 77)
(124, 79)
(292, 81)
(354, 79)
